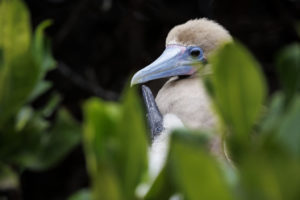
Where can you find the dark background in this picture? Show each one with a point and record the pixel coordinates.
(99, 43)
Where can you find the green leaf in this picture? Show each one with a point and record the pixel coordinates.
(1, 58)
(8, 178)
(41, 48)
(116, 146)
(41, 52)
(39, 89)
(23, 117)
(54, 145)
(273, 117)
(288, 68)
(239, 88)
(19, 146)
(264, 177)
(132, 133)
(16, 83)
(36, 146)
(162, 187)
(289, 131)
(51, 105)
(15, 28)
(101, 147)
(196, 173)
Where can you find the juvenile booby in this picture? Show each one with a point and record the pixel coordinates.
(182, 101)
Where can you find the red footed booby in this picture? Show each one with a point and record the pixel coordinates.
(182, 101)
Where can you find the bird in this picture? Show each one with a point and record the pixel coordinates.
(182, 101)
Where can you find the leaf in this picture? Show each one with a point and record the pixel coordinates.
(265, 177)
(39, 89)
(115, 146)
(23, 117)
(16, 83)
(36, 146)
(280, 129)
(41, 52)
(41, 49)
(273, 117)
(289, 131)
(288, 68)
(15, 28)
(162, 187)
(239, 88)
(132, 133)
(51, 105)
(8, 178)
(101, 147)
(19, 146)
(196, 173)
(56, 143)
(1, 58)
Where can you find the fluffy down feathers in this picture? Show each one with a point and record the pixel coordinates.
(204, 33)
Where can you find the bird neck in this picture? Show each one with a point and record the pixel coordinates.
(187, 99)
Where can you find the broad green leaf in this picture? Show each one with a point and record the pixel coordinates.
(132, 133)
(102, 147)
(264, 177)
(16, 83)
(239, 88)
(288, 67)
(289, 131)
(196, 172)
(274, 114)
(15, 34)
(162, 187)
(115, 146)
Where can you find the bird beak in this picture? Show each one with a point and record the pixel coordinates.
(174, 61)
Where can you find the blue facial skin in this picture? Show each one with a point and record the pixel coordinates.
(176, 60)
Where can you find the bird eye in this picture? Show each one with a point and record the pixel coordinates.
(195, 52)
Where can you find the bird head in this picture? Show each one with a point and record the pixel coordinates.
(187, 47)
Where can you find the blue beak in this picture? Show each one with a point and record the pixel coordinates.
(175, 60)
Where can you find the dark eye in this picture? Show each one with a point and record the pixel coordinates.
(195, 52)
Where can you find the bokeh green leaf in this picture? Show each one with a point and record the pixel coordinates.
(28, 137)
(288, 68)
(116, 146)
(239, 88)
(196, 172)
(16, 83)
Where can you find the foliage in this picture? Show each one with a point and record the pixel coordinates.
(261, 137)
(115, 148)
(28, 139)
(261, 143)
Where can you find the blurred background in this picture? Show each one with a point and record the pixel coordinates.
(98, 44)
